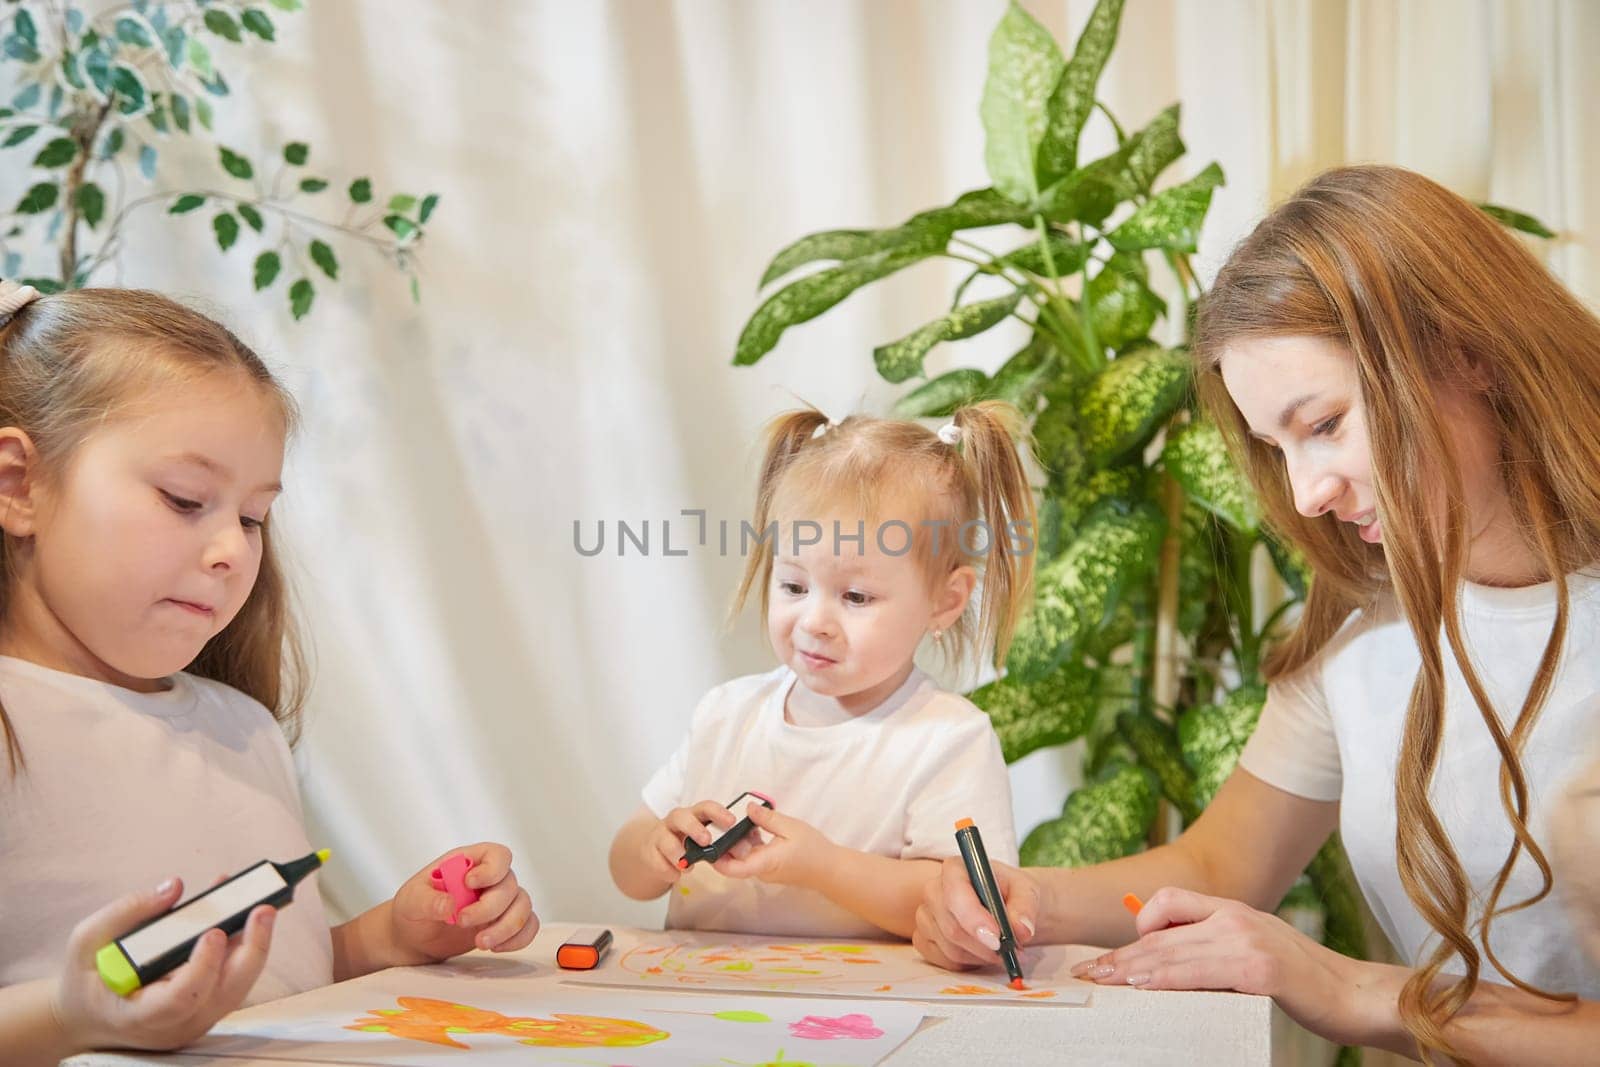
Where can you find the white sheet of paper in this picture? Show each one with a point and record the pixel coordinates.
(425, 1017)
(705, 960)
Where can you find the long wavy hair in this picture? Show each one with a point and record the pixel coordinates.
(1424, 290)
(68, 362)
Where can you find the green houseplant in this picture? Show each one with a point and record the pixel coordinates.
(98, 99)
(1144, 637)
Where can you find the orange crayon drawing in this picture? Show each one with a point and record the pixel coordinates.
(434, 1021)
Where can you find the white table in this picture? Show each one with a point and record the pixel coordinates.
(1119, 1026)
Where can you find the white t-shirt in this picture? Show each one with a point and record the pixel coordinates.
(121, 790)
(891, 782)
(1333, 732)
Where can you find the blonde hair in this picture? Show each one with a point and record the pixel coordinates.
(877, 466)
(68, 363)
(1424, 290)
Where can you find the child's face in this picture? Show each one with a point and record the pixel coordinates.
(149, 542)
(848, 622)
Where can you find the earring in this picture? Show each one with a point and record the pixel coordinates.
(938, 635)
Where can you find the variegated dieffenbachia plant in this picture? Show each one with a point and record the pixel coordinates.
(1147, 529)
(99, 96)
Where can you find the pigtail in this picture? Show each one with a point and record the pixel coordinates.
(785, 436)
(992, 438)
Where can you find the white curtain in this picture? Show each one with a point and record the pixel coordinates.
(614, 178)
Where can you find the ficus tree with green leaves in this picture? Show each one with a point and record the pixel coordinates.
(1144, 637)
(99, 98)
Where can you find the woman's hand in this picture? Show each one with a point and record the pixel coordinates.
(954, 929)
(1191, 941)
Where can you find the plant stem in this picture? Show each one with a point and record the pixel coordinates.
(84, 133)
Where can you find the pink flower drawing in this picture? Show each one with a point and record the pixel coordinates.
(820, 1028)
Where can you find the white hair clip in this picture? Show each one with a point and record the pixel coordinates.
(824, 428)
(15, 296)
(950, 434)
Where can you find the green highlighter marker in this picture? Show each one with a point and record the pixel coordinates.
(159, 945)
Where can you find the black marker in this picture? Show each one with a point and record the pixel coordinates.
(983, 884)
(162, 944)
(694, 852)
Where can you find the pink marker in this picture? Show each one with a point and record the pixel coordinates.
(451, 877)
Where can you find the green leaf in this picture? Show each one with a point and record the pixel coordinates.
(429, 202)
(147, 162)
(1077, 591)
(1156, 745)
(1334, 883)
(216, 85)
(402, 202)
(930, 229)
(361, 190)
(312, 185)
(1056, 438)
(1066, 255)
(416, 291)
(296, 153)
(1197, 457)
(1121, 304)
(401, 226)
(251, 216)
(91, 203)
(128, 84)
(1073, 97)
(814, 294)
(266, 270)
(202, 111)
(301, 294)
(234, 163)
(186, 203)
(200, 57)
(23, 26)
(1022, 378)
(1516, 220)
(1126, 403)
(258, 23)
(1051, 711)
(322, 255)
(286, 5)
(226, 227)
(1152, 150)
(942, 395)
(44, 285)
(20, 134)
(131, 31)
(180, 111)
(38, 199)
(58, 153)
(1170, 219)
(176, 43)
(223, 24)
(1088, 194)
(1103, 821)
(1024, 66)
(1212, 736)
(902, 359)
(1290, 564)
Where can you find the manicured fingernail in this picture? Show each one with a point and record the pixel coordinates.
(1078, 969)
(1102, 970)
(1027, 922)
(1138, 979)
(986, 936)
(166, 887)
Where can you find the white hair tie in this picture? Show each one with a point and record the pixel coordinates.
(15, 296)
(950, 434)
(824, 428)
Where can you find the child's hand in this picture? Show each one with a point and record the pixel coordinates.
(502, 919)
(796, 853)
(663, 848)
(172, 1011)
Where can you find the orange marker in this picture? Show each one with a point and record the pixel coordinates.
(1132, 903)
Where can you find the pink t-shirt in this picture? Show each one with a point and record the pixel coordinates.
(119, 790)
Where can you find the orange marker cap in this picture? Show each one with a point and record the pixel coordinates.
(963, 824)
(1132, 903)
